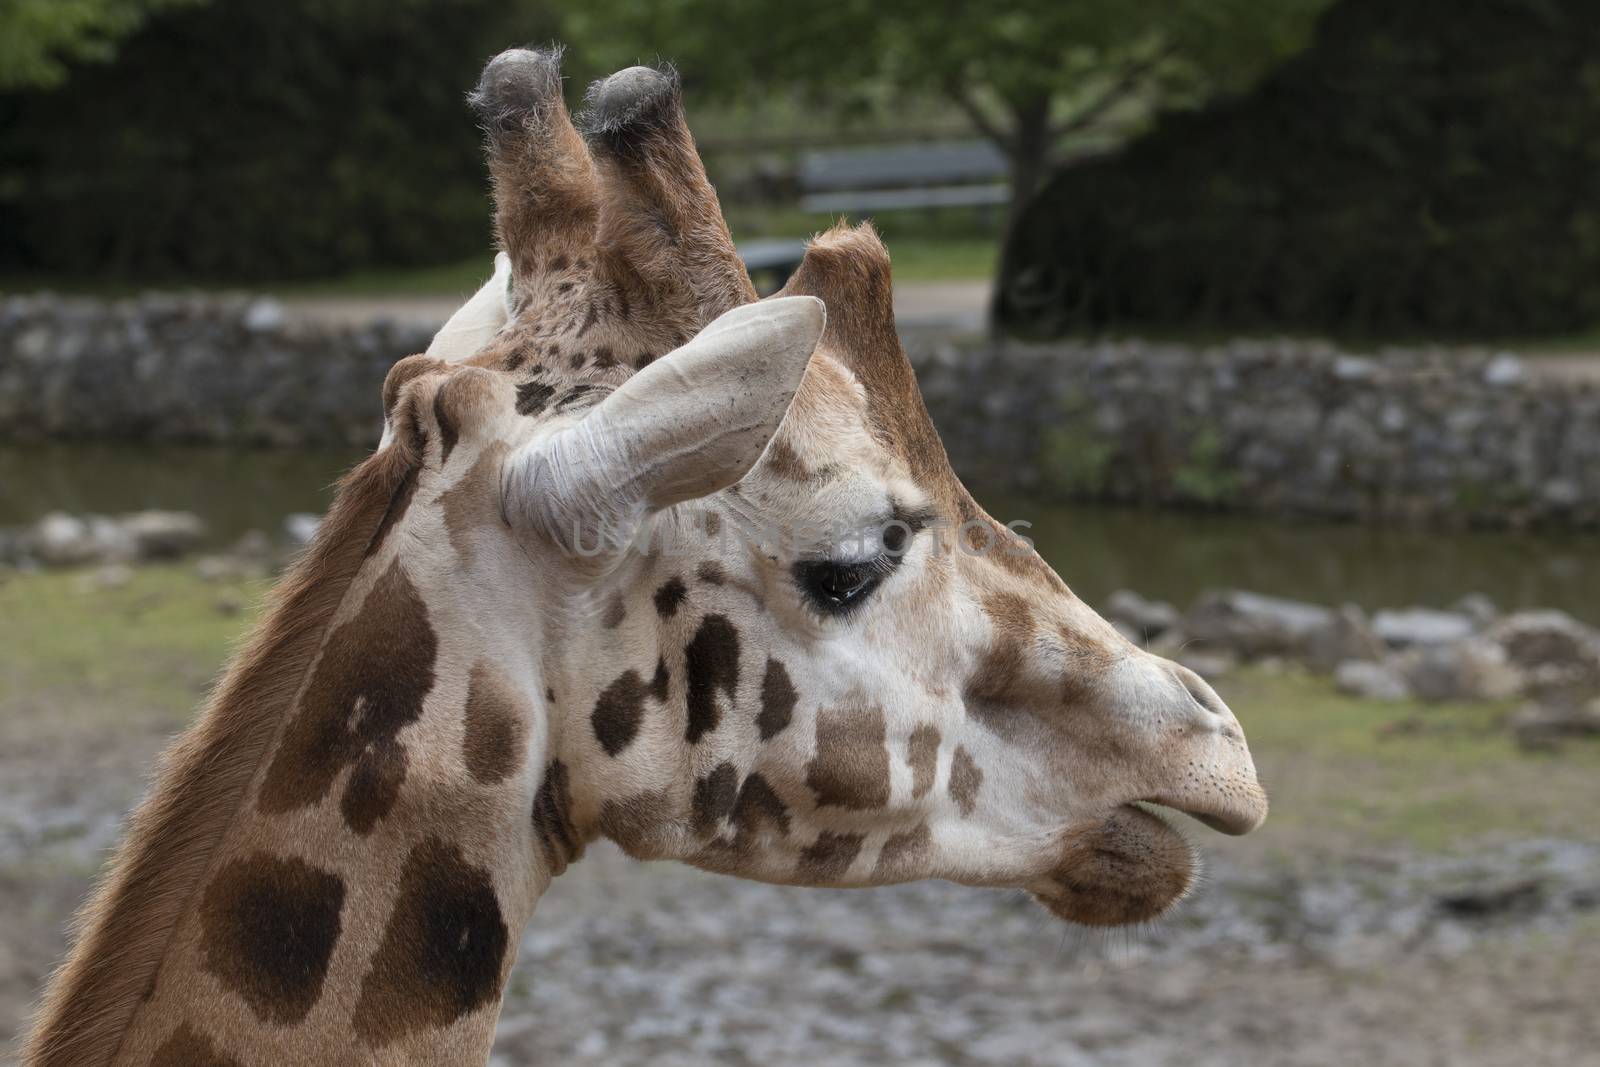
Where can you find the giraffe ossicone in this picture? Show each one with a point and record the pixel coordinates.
(534, 619)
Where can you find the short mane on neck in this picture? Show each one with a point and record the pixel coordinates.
(125, 928)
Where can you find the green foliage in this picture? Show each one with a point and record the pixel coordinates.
(39, 38)
(1204, 476)
(1026, 72)
(258, 139)
(1426, 167)
(1074, 462)
(1018, 50)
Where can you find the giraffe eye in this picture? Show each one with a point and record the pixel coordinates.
(835, 588)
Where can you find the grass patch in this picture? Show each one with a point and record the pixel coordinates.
(74, 654)
(1437, 776)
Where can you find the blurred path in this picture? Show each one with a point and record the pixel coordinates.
(956, 304)
(1581, 368)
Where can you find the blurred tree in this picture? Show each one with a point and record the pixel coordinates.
(40, 38)
(1424, 168)
(259, 139)
(1029, 74)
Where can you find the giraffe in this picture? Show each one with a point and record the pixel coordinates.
(639, 558)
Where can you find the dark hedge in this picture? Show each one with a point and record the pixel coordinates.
(253, 139)
(1426, 167)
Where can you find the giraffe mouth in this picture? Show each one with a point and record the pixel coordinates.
(1234, 810)
(1129, 867)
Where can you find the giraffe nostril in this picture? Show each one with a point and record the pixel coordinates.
(1201, 693)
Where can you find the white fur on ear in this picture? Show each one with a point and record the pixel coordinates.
(478, 320)
(689, 424)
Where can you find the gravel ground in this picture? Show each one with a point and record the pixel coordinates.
(1376, 959)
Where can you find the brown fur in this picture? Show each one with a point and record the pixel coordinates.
(187, 1047)
(172, 836)
(851, 768)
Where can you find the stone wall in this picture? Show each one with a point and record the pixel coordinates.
(215, 370)
(1282, 427)
(1287, 427)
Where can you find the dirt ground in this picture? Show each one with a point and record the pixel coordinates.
(1363, 926)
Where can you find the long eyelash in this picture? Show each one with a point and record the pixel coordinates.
(877, 566)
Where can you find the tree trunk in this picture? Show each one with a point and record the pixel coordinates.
(1028, 150)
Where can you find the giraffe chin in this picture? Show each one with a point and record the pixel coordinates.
(1130, 867)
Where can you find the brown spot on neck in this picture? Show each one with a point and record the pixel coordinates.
(828, 859)
(188, 1047)
(494, 733)
(370, 683)
(270, 927)
(903, 854)
(91, 1001)
(471, 507)
(552, 819)
(443, 953)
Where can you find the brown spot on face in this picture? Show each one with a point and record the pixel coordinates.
(851, 767)
(965, 778)
(713, 527)
(902, 854)
(778, 698)
(829, 857)
(374, 674)
(552, 819)
(188, 1047)
(1017, 692)
(492, 743)
(1011, 615)
(616, 611)
(711, 573)
(714, 795)
(711, 661)
(784, 462)
(442, 953)
(533, 397)
(269, 926)
(604, 358)
(617, 713)
(670, 597)
(922, 754)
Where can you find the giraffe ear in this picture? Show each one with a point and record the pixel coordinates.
(476, 321)
(689, 424)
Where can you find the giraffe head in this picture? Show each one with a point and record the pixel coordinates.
(761, 626)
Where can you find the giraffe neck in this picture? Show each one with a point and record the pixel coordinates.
(305, 881)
